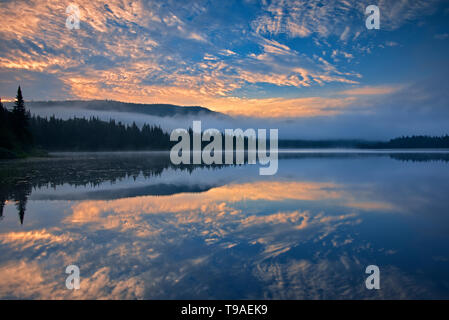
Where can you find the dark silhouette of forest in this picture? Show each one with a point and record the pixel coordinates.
(22, 135)
(80, 134)
(15, 135)
(406, 142)
(334, 143)
(413, 142)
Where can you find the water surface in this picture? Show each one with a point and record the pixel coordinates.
(140, 228)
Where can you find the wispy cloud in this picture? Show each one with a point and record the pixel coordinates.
(262, 60)
(302, 18)
(366, 91)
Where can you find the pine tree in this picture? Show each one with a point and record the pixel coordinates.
(21, 119)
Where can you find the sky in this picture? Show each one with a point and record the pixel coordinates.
(312, 67)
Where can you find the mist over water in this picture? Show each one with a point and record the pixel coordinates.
(392, 118)
(139, 227)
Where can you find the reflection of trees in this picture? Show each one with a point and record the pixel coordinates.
(20, 196)
(19, 193)
(19, 178)
(421, 157)
(414, 157)
(21, 205)
(2, 205)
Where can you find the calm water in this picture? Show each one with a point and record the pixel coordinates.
(138, 227)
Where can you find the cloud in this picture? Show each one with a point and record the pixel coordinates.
(280, 59)
(144, 52)
(227, 52)
(209, 202)
(345, 34)
(285, 108)
(441, 36)
(383, 90)
(30, 280)
(391, 44)
(266, 227)
(35, 238)
(303, 18)
(196, 36)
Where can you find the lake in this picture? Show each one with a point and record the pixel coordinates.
(140, 228)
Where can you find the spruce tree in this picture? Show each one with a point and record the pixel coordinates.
(21, 120)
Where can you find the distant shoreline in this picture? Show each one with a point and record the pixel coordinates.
(334, 150)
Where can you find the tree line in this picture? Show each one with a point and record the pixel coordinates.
(93, 134)
(410, 142)
(22, 134)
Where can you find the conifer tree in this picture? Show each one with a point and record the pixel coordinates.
(21, 120)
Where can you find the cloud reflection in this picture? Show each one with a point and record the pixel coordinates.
(283, 239)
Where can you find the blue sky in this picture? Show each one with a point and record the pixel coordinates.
(301, 60)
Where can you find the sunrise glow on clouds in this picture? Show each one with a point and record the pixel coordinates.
(269, 59)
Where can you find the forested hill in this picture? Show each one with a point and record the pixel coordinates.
(159, 110)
